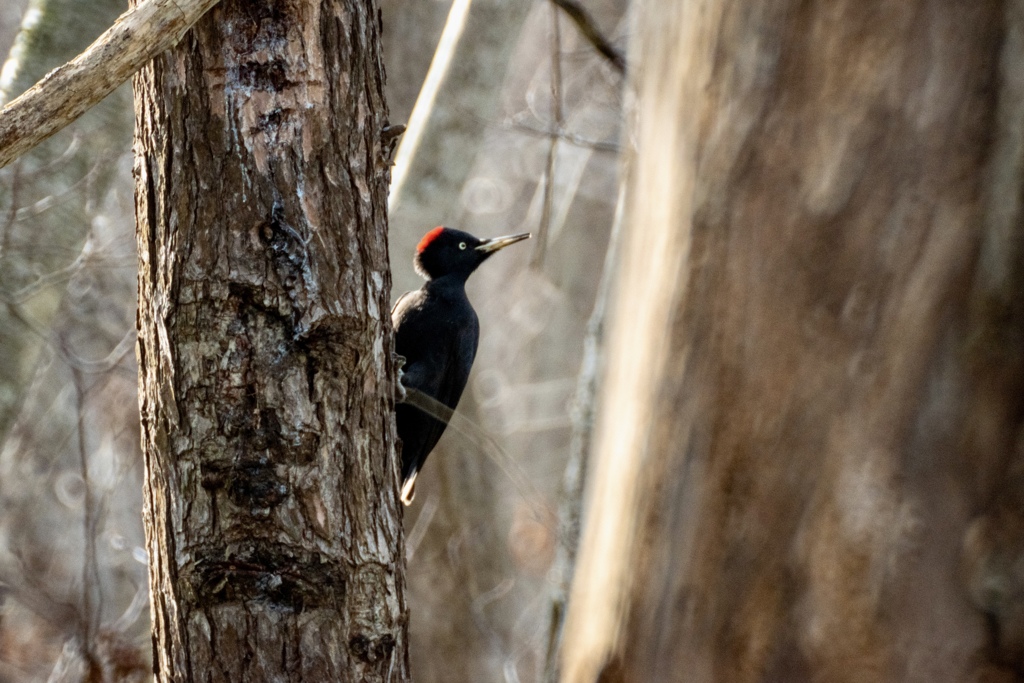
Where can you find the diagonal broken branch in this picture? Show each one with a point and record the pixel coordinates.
(70, 90)
(591, 33)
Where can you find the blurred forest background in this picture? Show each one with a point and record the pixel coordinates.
(776, 281)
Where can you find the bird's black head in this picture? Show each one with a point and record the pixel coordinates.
(444, 251)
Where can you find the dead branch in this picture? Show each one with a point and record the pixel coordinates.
(543, 228)
(591, 33)
(70, 90)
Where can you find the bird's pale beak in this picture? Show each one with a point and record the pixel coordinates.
(497, 243)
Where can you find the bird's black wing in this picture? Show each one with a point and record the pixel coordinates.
(443, 376)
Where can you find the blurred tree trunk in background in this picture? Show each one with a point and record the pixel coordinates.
(809, 460)
(272, 514)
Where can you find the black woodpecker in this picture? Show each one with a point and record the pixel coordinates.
(436, 330)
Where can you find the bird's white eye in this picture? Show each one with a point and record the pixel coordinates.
(462, 245)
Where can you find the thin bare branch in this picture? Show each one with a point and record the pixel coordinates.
(92, 596)
(544, 228)
(564, 136)
(591, 33)
(70, 90)
(487, 445)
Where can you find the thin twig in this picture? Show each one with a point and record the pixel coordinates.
(52, 200)
(544, 229)
(12, 212)
(591, 33)
(516, 125)
(57, 164)
(90, 563)
(85, 365)
(487, 445)
(564, 136)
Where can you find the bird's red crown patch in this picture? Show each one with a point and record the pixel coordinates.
(428, 238)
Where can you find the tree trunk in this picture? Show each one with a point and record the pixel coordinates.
(272, 514)
(809, 454)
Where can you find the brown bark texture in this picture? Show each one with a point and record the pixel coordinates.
(273, 523)
(809, 458)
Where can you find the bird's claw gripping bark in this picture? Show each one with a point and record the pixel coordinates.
(400, 394)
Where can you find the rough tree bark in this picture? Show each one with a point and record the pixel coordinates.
(273, 521)
(810, 455)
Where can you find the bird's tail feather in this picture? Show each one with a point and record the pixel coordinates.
(409, 488)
